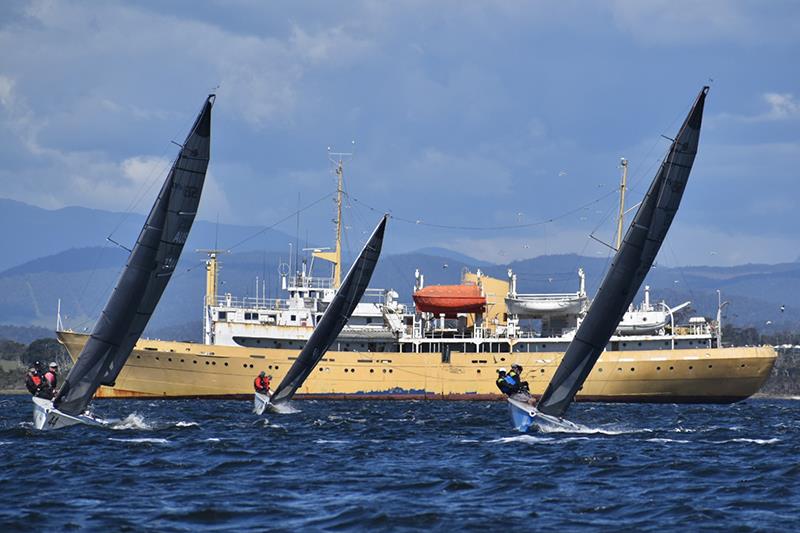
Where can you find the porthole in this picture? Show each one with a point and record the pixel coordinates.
(371, 370)
(206, 362)
(672, 368)
(138, 357)
(742, 365)
(213, 362)
(346, 371)
(658, 368)
(320, 369)
(710, 366)
(384, 370)
(479, 371)
(244, 365)
(195, 362)
(170, 359)
(632, 369)
(226, 364)
(157, 359)
(251, 366)
(276, 367)
(599, 369)
(691, 367)
(352, 370)
(542, 371)
(270, 367)
(390, 370)
(182, 361)
(619, 370)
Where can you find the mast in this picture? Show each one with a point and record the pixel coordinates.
(212, 284)
(624, 164)
(335, 256)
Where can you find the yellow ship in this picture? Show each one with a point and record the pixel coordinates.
(434, 351)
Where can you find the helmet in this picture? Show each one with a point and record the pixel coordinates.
(262, 374)
(515, 366)
(53, 365)
(501, 370)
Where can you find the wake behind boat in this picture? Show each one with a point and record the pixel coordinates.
(141, 284)
(632, 262)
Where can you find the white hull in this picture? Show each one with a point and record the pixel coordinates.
(545, 305)
(524, 415)
(260, 403)
(46, 417)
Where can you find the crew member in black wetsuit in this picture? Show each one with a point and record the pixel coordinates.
(503, 383)
(516, 376)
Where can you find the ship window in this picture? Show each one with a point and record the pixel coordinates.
(691, 367)
(213, 362)
(182, 360)
(346, 370)
(206, 362)
(251, 366)
(742, 365)
(293, 318)
(170, 359)
(138, 357)
(658, 368)
(384, 370)
(632, 369)
(195, 362)
(390, 370)
(222, 315)
(479, 371)
(157, 359)
(599, 370)
(710, 366)
(243, 366)
(369, 320)
(619, 370)
(270, 367)
(672, 368)
(352, 370)
(320, 369)
(624, 344)
(226, 364)
(371, 370)
(640, 344)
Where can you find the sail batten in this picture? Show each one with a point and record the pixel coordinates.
(149, 267)
(630, 266)
(335, 317)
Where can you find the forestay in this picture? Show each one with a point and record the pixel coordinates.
(150, 266)
(335, 317)
(631, 264)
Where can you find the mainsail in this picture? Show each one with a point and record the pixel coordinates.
(149, 269)
(630, 266)
(335, 317)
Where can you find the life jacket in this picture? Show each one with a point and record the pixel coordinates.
(511, 380)
(261, 383)
(32, 382)
(51, 378)
(514, 376)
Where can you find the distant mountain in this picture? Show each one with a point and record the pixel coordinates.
(83, 278)
(437, 251)
(41, 232)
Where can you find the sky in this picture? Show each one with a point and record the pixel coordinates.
(459, 114)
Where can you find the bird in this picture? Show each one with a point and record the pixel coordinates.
(444, 266)
(783, 308)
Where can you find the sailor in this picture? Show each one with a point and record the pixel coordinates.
(52, 375)
(503, 383)
(261, 383)
(36, 384)
(516, 377)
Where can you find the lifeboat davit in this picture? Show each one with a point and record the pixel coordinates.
(450, 299)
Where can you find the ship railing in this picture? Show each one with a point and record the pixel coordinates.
(276, 304)
(310, 282)
(549, 296)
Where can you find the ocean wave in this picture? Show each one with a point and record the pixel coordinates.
(132, 421)
(186, 424)
(143, 440)
(665, 440)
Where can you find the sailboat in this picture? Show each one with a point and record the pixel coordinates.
(632, 262)
(140, 286)
(333, 320)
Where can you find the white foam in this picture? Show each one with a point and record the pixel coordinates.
(284, 408)
(142, 440)
(528, 439)
(754, 441)
(132, 421)
(331, 441)
(679, 441)
(186, 424)
(212, 439)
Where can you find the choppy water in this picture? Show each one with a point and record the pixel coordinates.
(333, 465)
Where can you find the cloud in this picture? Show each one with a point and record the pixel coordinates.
(779, 107)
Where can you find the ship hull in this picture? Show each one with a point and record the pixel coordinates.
(168, 369)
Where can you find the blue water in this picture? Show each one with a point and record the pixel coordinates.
(341, 465)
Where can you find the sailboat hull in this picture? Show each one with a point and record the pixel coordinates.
(260, 403)
(46, 417)
(524, 415)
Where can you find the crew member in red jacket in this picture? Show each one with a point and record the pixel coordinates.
(261, 383)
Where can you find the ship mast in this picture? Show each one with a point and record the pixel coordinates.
(624, 164)
(335, 256)
(212, 282)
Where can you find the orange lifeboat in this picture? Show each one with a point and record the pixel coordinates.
(450, 299)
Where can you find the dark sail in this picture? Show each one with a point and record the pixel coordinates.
(149, 269)
(630, 266)
(335, 317)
